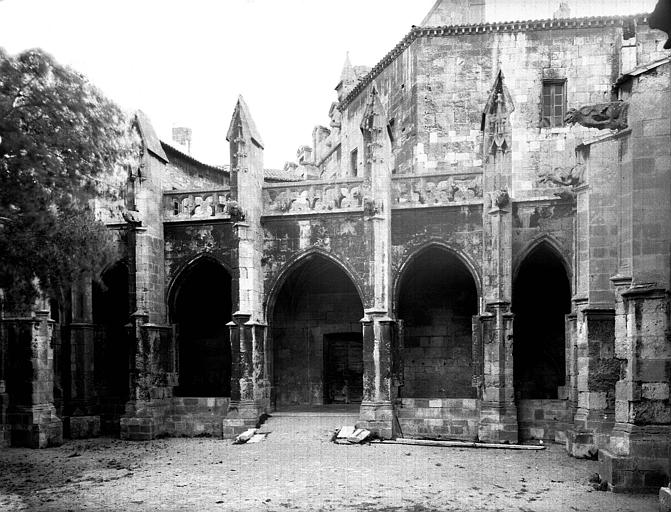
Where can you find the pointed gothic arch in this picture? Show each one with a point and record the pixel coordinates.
(436, 297)
(541, 297)
(200, 305)
(314, 313)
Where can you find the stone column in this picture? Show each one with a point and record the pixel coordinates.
(30, 414)
(377, 412)
(637, 458)
(153, 367)
(153, 377)
(597, 372)
(246, 148)
(498, 413)
(82, 419)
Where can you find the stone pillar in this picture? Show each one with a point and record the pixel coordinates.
(248, 327)
(597, 372)
(244, 410)
(153, 378)
(498, 413)
(153, 368)
(27, 396)
(377, 412)
(81, 415)
(637, 458)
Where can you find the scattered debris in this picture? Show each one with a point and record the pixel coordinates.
(359, 436)
(245, 436)
(350, 435)
(463, 444)
(258, 437)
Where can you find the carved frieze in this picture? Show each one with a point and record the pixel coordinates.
(199, 205)
(313, 197)
(436, 190)
(610, 116)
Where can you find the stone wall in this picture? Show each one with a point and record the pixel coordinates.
(446, 418)
(542, 419)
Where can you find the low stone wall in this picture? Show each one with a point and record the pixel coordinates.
(441, 418)
(541, 419)
(191, 417)
(175, 417)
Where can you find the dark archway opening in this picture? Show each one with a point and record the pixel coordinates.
(317, 341)
(437, 299)
(541, 299)
(111, 307)
(201, 307)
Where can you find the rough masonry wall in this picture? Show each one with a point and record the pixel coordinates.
(459, 229)
(397, 92)
(535, 220)
(184, 242)
(339, 235)
(299, 326)
(455, 74)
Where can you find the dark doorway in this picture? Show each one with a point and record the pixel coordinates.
(437, 298)
(316, 326)
(201, 308)
(541, 299)
(112, 344)
(343, 368)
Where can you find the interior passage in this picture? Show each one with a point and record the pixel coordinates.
(111, 314)
(541, 299)
(318, 355)
(437, 298)
(201, 308)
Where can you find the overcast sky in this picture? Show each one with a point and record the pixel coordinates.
(185, 62)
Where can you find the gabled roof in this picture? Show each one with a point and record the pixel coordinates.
(174, 152)
(242, 112)
(279, 175)
(148, 135)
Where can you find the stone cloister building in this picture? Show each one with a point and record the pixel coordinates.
(477, 247)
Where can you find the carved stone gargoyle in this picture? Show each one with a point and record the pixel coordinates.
(661, 19)
(234, 210)
(572, 177)
(370, 209)
(611, 116)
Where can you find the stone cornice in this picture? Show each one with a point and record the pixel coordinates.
(486, 28)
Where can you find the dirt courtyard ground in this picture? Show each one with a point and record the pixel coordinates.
(297, 468)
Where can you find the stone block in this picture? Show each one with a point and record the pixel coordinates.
(83, 427)
(655, 390)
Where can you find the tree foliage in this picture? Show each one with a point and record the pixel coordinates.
(61, 141)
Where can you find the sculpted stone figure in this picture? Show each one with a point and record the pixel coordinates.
(611, 115)
(563, 177)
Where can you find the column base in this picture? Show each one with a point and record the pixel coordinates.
(637, 459)
(35, 427)
(379, 418)
(241, 416)
(83, 427)
(590, 433)
(143, 420)
(498, 423)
